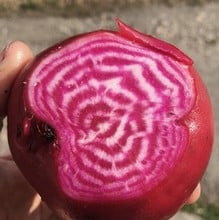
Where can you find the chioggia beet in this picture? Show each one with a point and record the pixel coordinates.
(111, 125)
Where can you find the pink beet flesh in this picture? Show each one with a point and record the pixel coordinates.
(108, 124)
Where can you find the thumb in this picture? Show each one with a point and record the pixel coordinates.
(195, 195)
(12, 60)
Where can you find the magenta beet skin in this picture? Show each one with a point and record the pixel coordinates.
(111, 125)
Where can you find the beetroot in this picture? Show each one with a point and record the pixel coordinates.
(111, 125)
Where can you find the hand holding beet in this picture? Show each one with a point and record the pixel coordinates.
(111, 125)
(18, 199)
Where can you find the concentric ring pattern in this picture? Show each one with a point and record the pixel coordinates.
(115, 106)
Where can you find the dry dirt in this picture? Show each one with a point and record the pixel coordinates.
(193, 28)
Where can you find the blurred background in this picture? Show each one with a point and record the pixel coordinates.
(192, 25)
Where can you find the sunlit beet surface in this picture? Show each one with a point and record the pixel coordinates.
(116, 107)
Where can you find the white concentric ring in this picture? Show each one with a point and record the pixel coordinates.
(115, 106)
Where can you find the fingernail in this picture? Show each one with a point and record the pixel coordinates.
(4, 51)
(2, 55)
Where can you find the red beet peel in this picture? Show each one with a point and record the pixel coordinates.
(111, 125)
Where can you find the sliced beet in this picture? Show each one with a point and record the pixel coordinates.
(111, 125)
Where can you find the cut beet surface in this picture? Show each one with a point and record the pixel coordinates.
(111, 125)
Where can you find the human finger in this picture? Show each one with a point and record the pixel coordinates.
(195, 195)
(12, 60)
